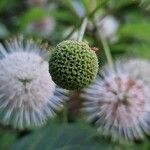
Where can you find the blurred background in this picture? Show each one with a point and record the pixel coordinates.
(126, 26)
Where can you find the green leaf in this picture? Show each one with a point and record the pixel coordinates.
(4, 4)
(139, 31)
(7, 137)
(64, 15)
(115, 4)
(139, 49)
(55, 137)
(31, 15)
(67, 4)
(66, 137)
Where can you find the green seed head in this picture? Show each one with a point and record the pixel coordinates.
(73, 65)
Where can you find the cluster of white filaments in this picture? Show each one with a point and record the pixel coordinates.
(139, 68)
(119, 103)
(28, 95)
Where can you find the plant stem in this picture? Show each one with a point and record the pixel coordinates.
(70, 34)
(82, 29)
(65, 113)
(105, 46)
(107, 51)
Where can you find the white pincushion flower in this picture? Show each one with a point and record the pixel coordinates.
(108, 27)
(119, 103)
(26, 89)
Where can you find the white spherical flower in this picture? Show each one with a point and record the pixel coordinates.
(108, 27)
(119, 104)
(27, 92)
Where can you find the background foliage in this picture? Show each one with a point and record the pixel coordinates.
(17, 17)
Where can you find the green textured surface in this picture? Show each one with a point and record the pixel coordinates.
(7, 138)
(73, 65)
(67, 137)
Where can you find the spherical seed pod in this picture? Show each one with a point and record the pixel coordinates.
(73, 65)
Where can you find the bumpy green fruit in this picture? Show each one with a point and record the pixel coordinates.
(73, 65)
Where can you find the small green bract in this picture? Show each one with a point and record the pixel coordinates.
(73, 65)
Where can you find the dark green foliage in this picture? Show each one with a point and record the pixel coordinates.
(73, 65)
(67, 137)
(7, 137)
(133, 40)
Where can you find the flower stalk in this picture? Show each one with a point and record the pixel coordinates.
(82, 29)
(105, 46)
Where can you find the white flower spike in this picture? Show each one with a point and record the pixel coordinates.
(27, 92)
(119, 103)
